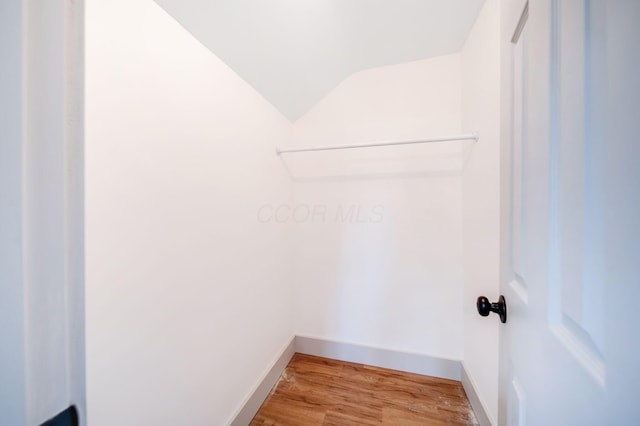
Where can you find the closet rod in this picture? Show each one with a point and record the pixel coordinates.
(462, 137)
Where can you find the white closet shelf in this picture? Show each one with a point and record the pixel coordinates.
(463, 137)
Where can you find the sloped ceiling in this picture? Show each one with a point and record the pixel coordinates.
(294, 52)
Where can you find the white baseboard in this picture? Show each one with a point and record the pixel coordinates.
(379, 357)
(474, 399)
(254, 401)
(360, 354)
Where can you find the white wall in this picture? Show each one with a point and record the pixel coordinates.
(41, 250)
(392, 276)
(188, 296)
(481, 198)
(13, 386)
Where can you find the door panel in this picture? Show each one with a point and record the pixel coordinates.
(518, 142)
(520, 343)
(517, 400)
(576, 282)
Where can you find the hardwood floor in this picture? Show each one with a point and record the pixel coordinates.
(319, 391)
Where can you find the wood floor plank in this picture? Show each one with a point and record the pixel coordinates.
(315, 391)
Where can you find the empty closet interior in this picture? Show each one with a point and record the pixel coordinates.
(258, 180)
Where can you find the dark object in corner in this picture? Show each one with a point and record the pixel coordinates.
(68, 417)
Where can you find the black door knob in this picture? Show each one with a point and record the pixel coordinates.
(485, 307)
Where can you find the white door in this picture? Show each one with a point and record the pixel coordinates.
(571, 241)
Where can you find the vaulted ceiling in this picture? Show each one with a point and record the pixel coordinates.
(294, 52)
